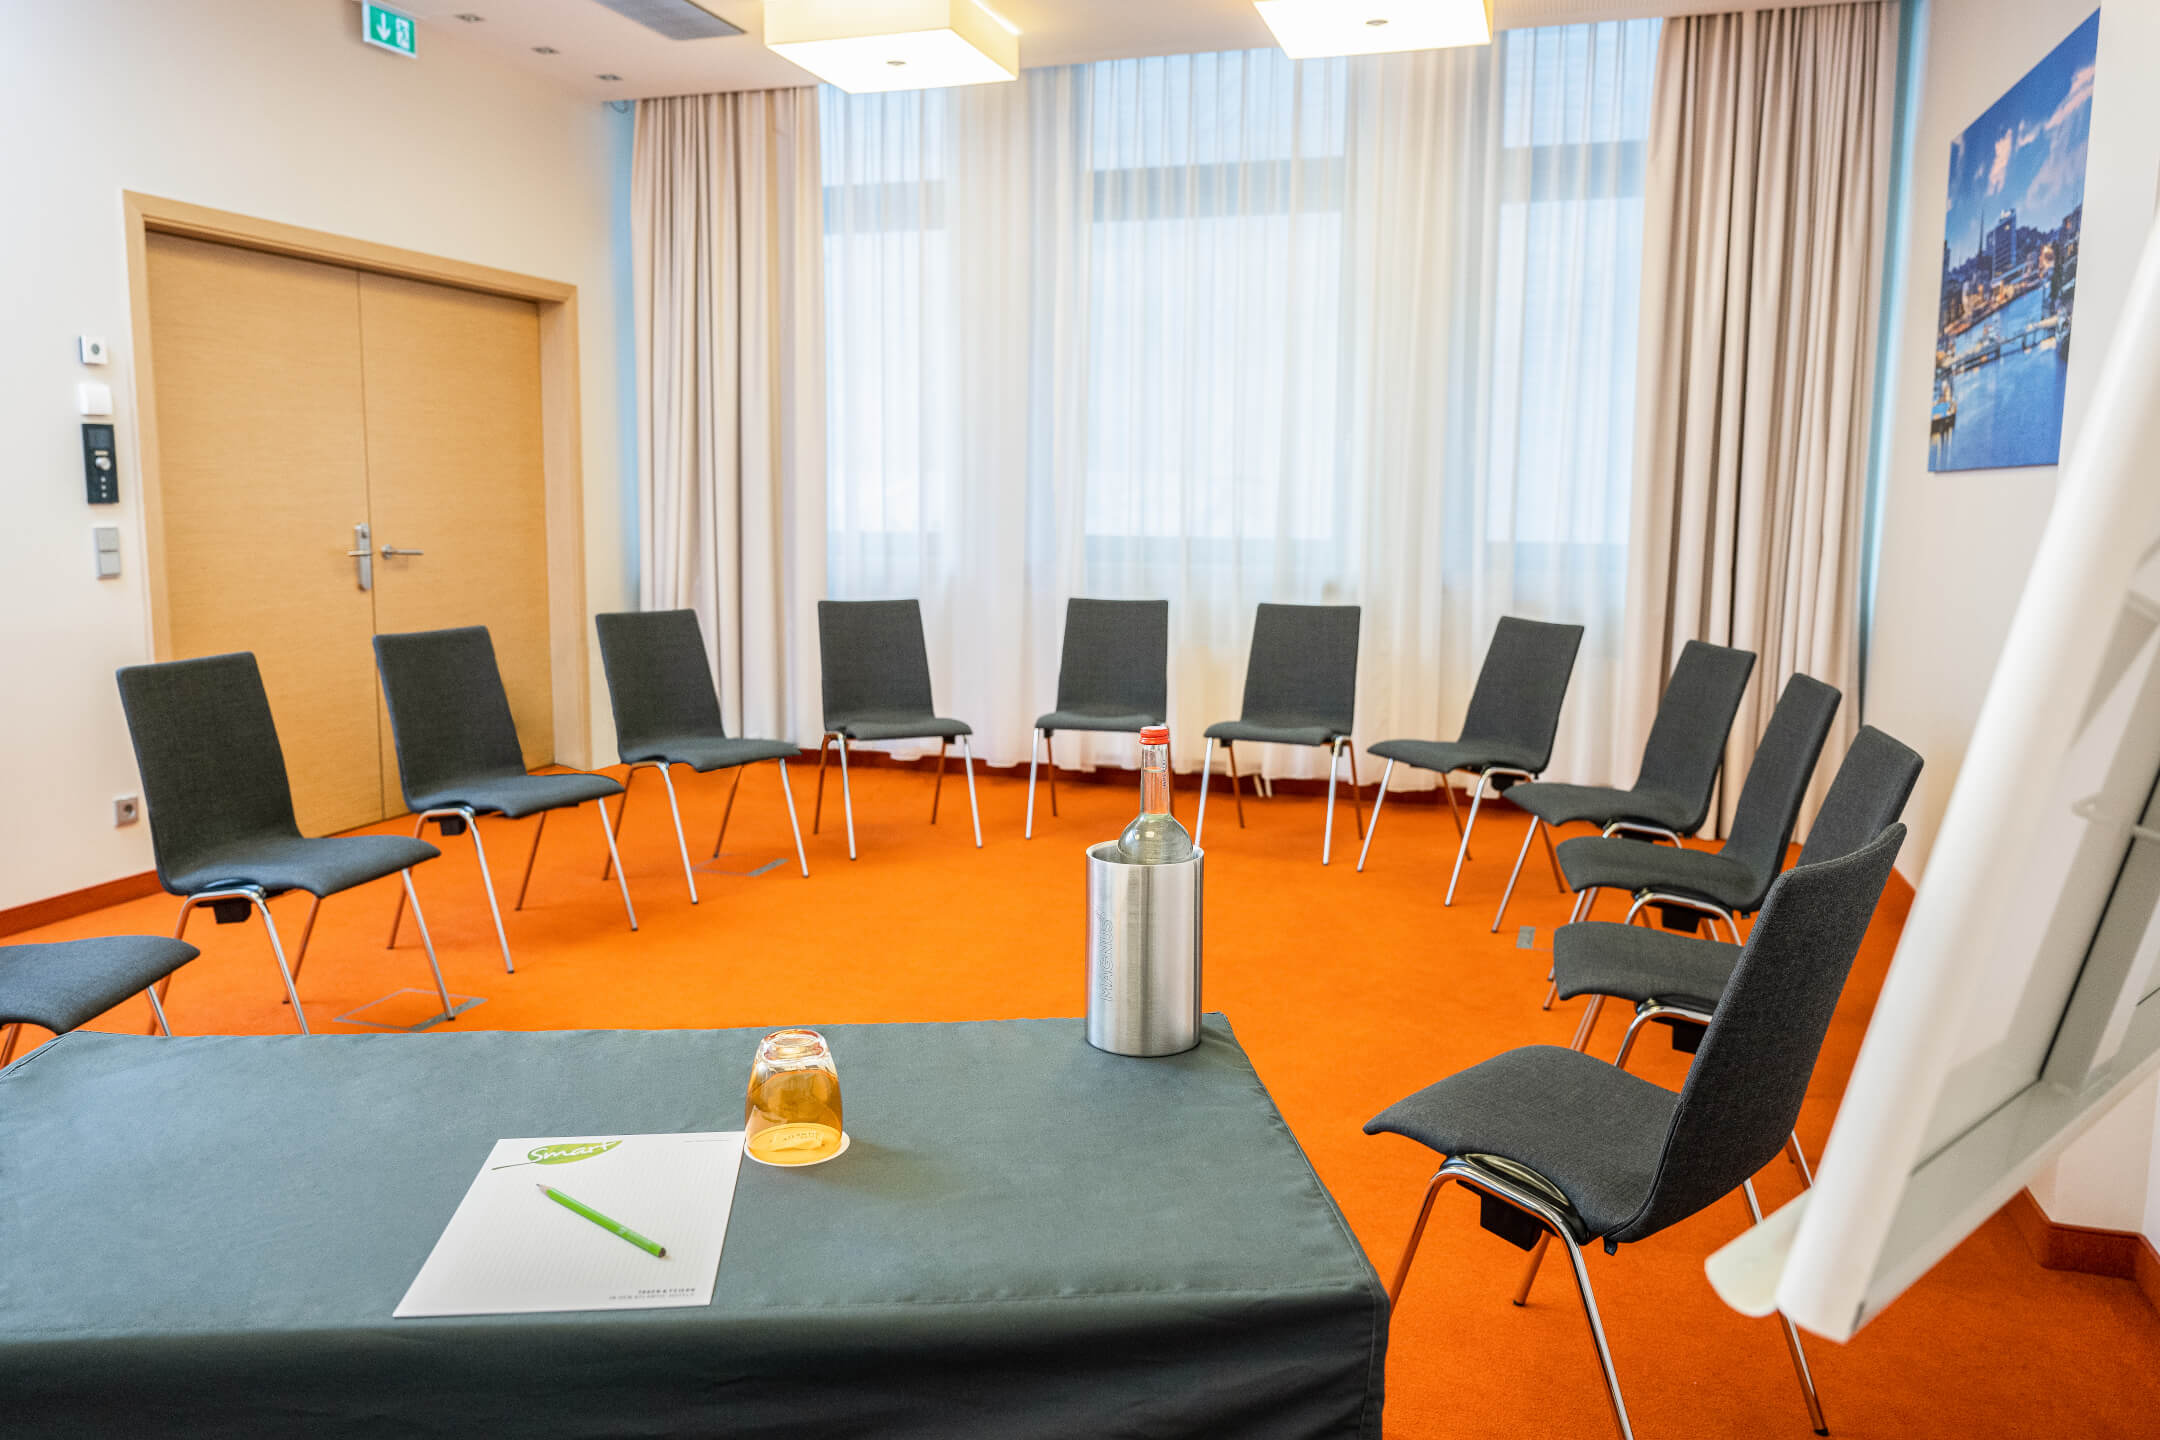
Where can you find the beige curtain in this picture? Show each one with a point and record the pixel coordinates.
(728, 238)
(1763, 233)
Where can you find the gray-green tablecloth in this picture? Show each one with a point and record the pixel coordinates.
(1028, 1238)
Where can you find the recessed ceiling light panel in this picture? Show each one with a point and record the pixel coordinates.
(1308, 29)
(866, 45)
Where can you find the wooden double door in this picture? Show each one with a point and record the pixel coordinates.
(308, 411)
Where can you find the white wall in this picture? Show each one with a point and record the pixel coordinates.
(1956, 547)
(275, 109)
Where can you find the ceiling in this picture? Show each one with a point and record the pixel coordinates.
(590, 41)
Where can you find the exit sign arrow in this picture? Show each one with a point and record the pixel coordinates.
(384, 27)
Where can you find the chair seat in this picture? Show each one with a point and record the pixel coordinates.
(1639, 962)
(706, 753)
(58, 987)
(1603, 804)
(1636, 865)
(901, 727)
(1273, 732)
(1127, 724)
(320, 867)
(515, 796)
(1446, 755)
(1593, 1130)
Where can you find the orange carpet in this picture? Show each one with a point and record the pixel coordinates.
(1348, 990)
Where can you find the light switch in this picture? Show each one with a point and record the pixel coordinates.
(93, 398)
(108, 551)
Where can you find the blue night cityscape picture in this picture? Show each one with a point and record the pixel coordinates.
(2009, 277)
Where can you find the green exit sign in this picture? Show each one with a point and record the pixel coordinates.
(380, 25)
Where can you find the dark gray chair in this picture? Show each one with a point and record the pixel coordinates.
(1731, 880)
(877, 687)
(58, 987)
(1300, 689)
(1671, 794)
(667, 713)
(221, 812)
(1113, 675)
(1677, 980)
(459, 757)
(1555, 1143)
(1507, 733)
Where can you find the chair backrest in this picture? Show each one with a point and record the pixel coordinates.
(873, 658)
(1303, 666)
(1743, 1093)
(1778, 778)
(1868, 795)
(1116, 659)
(658, 678)
(448, 711)
(1687, 739)
(1522, 685)
(213, 772)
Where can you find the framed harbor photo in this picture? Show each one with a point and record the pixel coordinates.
(2009, 277)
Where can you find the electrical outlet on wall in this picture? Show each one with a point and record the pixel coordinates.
(127, 810)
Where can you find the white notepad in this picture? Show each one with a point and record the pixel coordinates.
(510, 1250)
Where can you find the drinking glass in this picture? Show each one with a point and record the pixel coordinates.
(792, 1113)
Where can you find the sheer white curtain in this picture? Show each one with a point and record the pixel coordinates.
(1231, 328)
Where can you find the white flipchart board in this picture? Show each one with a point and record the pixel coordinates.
(2025, 996)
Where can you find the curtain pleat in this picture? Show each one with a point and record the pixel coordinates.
(728, 227)
(1768, 189)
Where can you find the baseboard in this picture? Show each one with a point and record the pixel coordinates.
(2120, 1254)
(1188, 781)
(77, 902)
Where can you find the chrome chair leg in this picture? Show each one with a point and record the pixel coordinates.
(622, 813)
(1798, 1157)
(157, 1011)
(967, 761)
(1237, 791)
(1590, 1015)
(533, 854)
(621, 879)
(1552, 858)
(1378, 801)
(1050, 751)
(847, 799)
(1357, 801)
(1034, 750)
(14, 1033)
(817, 812)
(1327, 835)
(1597, 1339)
(307, 933)
(939, 788)
(787, 793)
(487, 883)
(726, 814)
(1792, 1335)
(397, 915)
(1207, 772)
(255, 897)
(682, 846)
(1462, 849)
(1417, 1233)
(1447, 788)
(1509, 893)
(427, 944)
(1537, 1258)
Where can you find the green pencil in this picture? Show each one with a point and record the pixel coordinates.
(611, 1226)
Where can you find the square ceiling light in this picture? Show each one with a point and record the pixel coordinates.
(865, 45)
(1308, 29)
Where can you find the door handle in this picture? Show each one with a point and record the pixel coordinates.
(390, 550)
(362, 555)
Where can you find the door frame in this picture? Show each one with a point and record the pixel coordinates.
(561, 439)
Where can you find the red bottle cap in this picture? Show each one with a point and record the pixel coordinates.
(1155, 734)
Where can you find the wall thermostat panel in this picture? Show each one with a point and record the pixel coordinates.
(101, 465)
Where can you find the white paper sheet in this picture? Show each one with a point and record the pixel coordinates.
(510, 1250)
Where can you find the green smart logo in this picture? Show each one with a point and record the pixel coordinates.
(564, 1154)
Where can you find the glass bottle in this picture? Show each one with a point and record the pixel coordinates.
(1154, 837)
